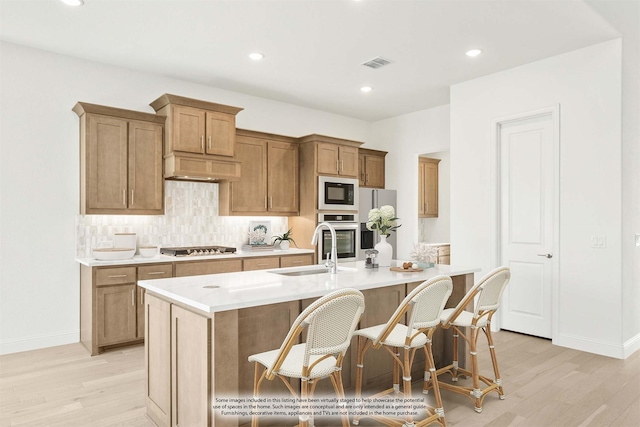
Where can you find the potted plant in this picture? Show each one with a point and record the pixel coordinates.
(285, 240)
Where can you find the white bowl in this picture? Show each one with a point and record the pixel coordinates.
(111, 254)
(148, 251)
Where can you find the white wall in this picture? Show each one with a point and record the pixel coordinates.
(39, 175)
(405, 138)
(586, 83)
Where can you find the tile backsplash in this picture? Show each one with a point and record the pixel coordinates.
(190, 219)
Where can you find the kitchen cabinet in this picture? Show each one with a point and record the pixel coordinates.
(269, 182)
(337, 160)
(427, 187)
(371, 168)
(120, 161)
(296, 260)
(262, 263)
(444, 254)
(199, 140)
(197, 268)
(112, 306)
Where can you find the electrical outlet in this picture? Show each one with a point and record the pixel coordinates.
(599, 241)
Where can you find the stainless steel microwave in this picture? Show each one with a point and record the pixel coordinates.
(337, 194)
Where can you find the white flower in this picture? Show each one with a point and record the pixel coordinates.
(387, 212)
(382, 219)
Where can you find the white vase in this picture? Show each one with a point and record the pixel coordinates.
(284, 245)
(385, 252)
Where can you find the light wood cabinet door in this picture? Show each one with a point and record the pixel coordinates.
(140, 294)
(146, 183)
(190, 352)
(282, 180)
(197, 268)
(262, 263)
(157, 353)
(296, 260)
(116, 314)
(220, 133)
(428, 188)
(371, 170)
(348, 157)
(249, 194)
(106, 168)
(188, 129)
(327, 158)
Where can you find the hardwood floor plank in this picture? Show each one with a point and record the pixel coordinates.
(545, 385)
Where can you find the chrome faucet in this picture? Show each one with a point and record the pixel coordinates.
(333, 262)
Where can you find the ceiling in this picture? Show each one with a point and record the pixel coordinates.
(314, 48)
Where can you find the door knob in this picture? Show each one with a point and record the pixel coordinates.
(546, 255)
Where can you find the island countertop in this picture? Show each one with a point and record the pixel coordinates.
(231, 291)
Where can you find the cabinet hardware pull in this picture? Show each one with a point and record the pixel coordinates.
(297, 262)
(202, 142)
(132, 198)
(342, 165)
(366, 178)
(141, 296)
(133, 297)
(209, 142)
(270, 202)
(124, 197)
(116, 276)
(152, 273)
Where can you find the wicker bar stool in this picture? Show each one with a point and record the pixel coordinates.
(330, 322)
(424, 306)
(487, 292)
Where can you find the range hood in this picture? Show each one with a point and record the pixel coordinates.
(184, 167)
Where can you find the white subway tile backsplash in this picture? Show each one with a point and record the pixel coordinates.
(190, 219)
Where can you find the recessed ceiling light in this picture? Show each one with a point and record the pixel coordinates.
(366, 89)
(256, 56)
(73, 2)
(474, 52)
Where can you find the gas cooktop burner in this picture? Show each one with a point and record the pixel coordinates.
(197, 250)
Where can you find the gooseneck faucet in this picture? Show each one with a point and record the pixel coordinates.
(333, 262)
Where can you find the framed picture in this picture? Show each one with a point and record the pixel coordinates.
(260, 233)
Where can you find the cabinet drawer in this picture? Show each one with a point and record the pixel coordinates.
(261, 263)
(115, 276)
(207, 267)
(296, 260)
(156, 271)
(444, 250)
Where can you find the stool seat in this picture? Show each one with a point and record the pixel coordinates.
(292, 365)
(396, 337)
(464, 319)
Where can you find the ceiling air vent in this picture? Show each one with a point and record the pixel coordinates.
(377, 62)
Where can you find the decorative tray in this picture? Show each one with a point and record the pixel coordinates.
(408, 270)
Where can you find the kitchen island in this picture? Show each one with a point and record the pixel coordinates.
(200, 331)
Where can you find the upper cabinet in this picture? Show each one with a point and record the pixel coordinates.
(427, 187)
(335, 157)
(371, 168)
(120, 161)
(200, 139)
(269, 182)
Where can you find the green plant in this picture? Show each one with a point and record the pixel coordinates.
(284, 237)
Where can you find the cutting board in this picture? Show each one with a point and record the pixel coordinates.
(402, 270)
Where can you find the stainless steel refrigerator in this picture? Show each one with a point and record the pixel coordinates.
(370, 198)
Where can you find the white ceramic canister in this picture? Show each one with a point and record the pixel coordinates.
(125, 240)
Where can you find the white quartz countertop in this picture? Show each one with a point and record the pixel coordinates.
(230, 291)
(435, 244)
(137, 259)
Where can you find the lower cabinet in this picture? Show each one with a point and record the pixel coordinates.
(296, 260)
(116, 317)
(197, 268)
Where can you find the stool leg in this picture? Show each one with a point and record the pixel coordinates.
(396, 371)
(363, 346)
(454, 372)
(494, 360)
(434, 382)
(406, 378)
(473, 344)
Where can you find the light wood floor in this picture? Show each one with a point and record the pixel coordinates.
(545, 386)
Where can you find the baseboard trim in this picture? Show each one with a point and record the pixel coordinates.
(34, 343)
(590, 346)
(631, 346)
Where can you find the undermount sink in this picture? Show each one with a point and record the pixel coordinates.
(304, 271)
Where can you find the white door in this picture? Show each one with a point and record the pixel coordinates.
(527, 209)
